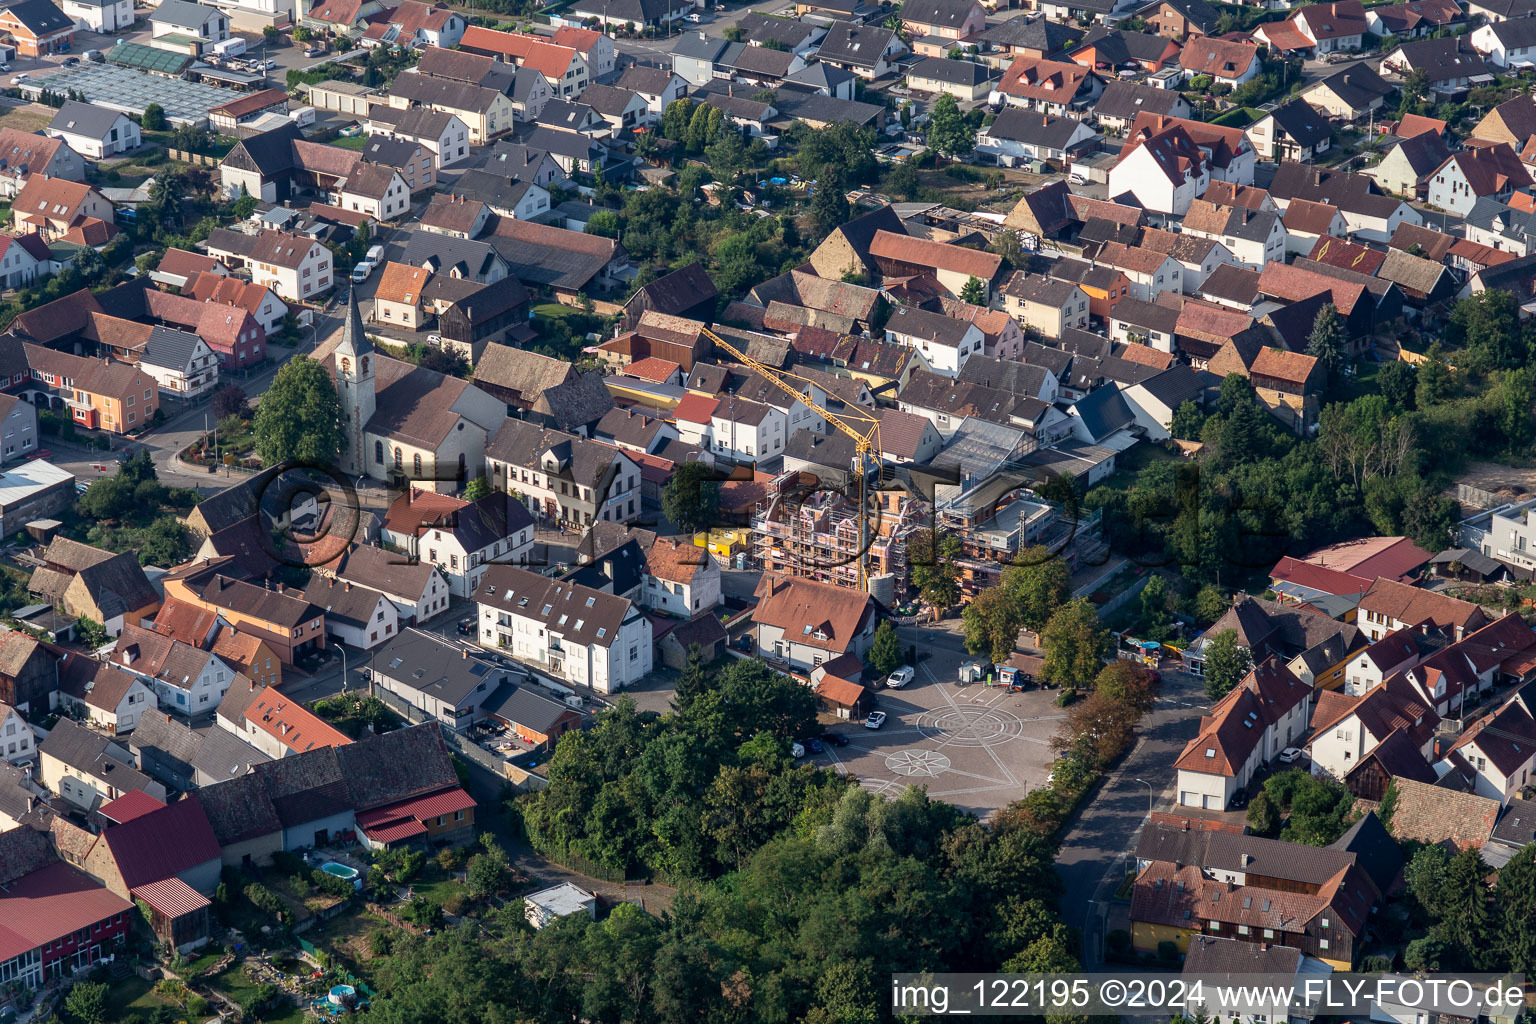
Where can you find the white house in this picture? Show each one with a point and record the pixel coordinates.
(1482, 172)
(17, 740)
(1165, 172)
(1245, 730)
(680, 579)
(1396, 652)
(1022, 135)
(89, 769)
(460, 537)
(1253, 237)
(107, 698)
(745, 431)
(103, 16)
(358, 616)
(93, 131)
(563, 477)
(1509, 44)
(374, 189)
(436, 676)
(805, 623)
(1347, 729)
(183, 364)
(417, 589)
(574, 633)
(1498, 749)
(186, 679)
(296, 267)
(184, 27)
(946, 343)
(1149, 272)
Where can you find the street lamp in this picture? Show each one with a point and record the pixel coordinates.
(1151, 795)
(343, 648)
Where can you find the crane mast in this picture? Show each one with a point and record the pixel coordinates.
(866, 443)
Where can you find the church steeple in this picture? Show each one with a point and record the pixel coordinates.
(354, 358)
(354, 339)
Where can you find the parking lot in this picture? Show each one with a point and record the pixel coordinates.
(976, 746)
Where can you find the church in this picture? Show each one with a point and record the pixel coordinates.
(403, 423)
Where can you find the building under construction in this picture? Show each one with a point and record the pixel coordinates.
(800, 531)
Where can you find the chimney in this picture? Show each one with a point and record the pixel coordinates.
(333, 581)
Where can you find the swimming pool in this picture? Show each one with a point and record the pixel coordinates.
(343, 871)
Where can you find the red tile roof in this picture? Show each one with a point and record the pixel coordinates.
(133, 804)
(1221, 58)
(652, 368)
(49, 904)
(695, 408)
(162, 843)
(171, 897)
(1046, 80)
(936, 255)
(292, 724)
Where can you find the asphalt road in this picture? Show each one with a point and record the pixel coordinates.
(1096, 847)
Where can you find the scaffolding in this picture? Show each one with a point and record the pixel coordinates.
(803, 532)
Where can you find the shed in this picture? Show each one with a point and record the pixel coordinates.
(563, 900)
(845, 698)
(178, 913)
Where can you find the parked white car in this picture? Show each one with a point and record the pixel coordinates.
(875, 720)
(901, 677)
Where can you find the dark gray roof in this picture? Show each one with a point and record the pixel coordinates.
(820, 76)
(617, 570)
(637, 11)
(432, 665)
(444, 252)
(921, 323)
(951, 72)
(566, 115)
(443, 92)
(1127, 99)
(1517, 827)
(223, 755)
(1104, 411)
(948, 13)
(84, 119)
(521, 443)
(523, 706)
(861, 45)
(1443, 60)
(574, 404)
(1034, 128)
(1010, 375)
(1357, 85)
(1302, 123)
(758, 60)
(569, 144)
(581, 615)
(736, 106)
(93, 754)
(629, 427)
(645, 81)
(1175, 385)
(1033, 33)
(389, 152)
(1375, 850)
(1150, 315)
(827, 109)
(759, 28)
(343, 602)
(1117, 47)
(514, 159)
(832, 451)
(1515, 32)
(607, 99)
(169, 347)
(699, 46)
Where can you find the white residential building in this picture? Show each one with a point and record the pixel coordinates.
(746, 431)
(461, 538)
(1247, 728)
(186, 679)
(945, 342)
(17, 740)
(183, 364)
(576, 634)
(680, 579)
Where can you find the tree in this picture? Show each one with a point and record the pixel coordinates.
(973, 291)
(1414, 88)
(1513, 397)
(89, 264)
(992, 622)
(1038, 582)
(948, 131)
(1210, 604)
(476, 489)
(154, 118)
(1435, 380)
(299, 417)
(1125, 682)
(1397, 381)
(693, 682)
(243, 206)
(1327, 343)
(1263, 818)
(1154, 603)
(691, 498)
(727, 156)
(1075, 645)
(934, 572)
(1515, 897)
(486, 873)
(87, 1003)
(230, 400)
(1187, 421)
(1226, 662)
(829, 205)
(1488, 325)
(167, 194)
(885, 654)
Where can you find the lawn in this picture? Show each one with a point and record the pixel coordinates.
(349, 936)
(239, 986)
(133, 995)
(356, 142)
(24, 119)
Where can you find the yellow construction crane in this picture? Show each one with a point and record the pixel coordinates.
(866, 443)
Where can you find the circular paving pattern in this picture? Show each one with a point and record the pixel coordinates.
(917, 762)
(970, 726)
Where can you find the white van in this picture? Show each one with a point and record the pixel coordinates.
(361, 271)
(302, 116)
(375, 254)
